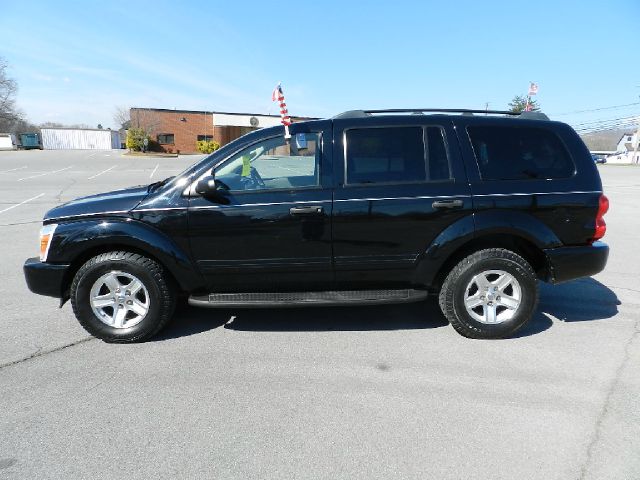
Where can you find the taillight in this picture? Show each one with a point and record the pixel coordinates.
(601, 226)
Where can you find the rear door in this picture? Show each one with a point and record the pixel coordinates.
(400, 183)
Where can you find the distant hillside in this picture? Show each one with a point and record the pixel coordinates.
(603, 140)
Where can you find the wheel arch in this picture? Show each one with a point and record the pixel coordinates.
(514, 242)
(94, 251)
(78, 242)
(517, 231)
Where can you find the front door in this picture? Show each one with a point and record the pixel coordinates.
(272, 231)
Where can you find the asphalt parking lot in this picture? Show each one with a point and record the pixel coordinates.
(384, 392)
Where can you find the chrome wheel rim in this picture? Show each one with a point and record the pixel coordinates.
(492, 297)
(119, 299)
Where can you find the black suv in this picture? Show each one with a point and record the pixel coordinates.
(367, 207)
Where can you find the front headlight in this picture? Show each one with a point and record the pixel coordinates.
(46, 234)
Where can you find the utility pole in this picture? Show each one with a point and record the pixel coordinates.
(635, 158)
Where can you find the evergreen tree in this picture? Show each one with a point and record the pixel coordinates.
(519, 103)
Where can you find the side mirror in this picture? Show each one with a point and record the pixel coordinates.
(208, 189)
(206, 186)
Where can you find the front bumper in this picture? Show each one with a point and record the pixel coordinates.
(44, 278)
(568, 263)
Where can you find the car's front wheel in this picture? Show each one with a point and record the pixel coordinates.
(122, 297)
(489, 294)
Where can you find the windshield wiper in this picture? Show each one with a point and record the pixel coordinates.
(156, 185)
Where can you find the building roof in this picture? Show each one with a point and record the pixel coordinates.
(210, 112)
(626, 134)
(78, 128)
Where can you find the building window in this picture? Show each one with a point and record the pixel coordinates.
(205, 138)
(166, 139)
(628, 139)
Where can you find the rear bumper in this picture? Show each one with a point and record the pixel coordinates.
(44, 278)
(568, 263)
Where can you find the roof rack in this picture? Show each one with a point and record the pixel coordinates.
(463, 111)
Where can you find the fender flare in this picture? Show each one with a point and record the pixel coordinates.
(73, 239)
(477, 225)
(517, 223)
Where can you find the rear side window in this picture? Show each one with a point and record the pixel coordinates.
(514, 153)
(437, 158)
(396, 155)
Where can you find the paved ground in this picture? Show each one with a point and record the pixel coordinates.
(387, 392)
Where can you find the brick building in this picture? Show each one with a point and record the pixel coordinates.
(177, 131)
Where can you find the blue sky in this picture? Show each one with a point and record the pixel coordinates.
(76, 61)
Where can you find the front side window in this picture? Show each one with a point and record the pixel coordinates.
(273, 164)
(515, 153)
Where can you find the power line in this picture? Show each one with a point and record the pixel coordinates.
(605, 120)
(608, 125)
(597, 109)
(616, 126)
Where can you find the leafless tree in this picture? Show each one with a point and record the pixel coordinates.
(80, 126)
(122, 117)
(8, 88)
(145, 119)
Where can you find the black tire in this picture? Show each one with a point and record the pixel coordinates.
(148, 272)
(454, 290)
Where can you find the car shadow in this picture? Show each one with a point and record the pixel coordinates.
(419, 315)
(581, 300)
(192, 320)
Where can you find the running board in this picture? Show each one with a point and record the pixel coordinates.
(301, 299)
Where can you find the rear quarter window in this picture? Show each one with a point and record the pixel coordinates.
(517, 153)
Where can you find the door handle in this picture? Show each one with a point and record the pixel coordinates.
(448, 204)
(308, 210)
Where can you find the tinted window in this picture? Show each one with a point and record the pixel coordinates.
(438, 161)
(511, 153)
(380, 155)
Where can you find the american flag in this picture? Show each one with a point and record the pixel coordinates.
(533, 88)
(277, 95)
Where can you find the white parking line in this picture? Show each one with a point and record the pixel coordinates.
(21, 203)
(104, 171)
(154, 170)
(45, 173)
(13, 169)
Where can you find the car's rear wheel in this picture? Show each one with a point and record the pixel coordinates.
(489, 294)
(122, 297)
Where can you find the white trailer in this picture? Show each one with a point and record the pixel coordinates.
(79, 139)
(7, 141)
